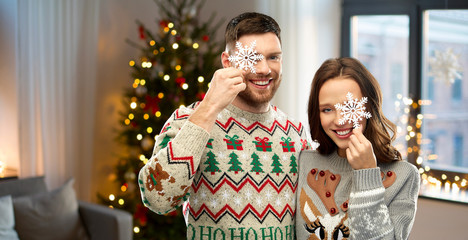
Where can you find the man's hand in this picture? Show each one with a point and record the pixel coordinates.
(359, 153)
(224, 87)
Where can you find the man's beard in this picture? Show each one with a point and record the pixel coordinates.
(253, 98)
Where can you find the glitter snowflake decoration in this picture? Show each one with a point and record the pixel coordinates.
(246, 57)
(353, 110)
(445, 66)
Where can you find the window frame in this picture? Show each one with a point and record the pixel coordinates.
(414, 9)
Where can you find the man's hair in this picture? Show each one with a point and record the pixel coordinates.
(250, 23)
(378, 127)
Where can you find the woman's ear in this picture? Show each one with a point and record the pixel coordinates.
(225, 59)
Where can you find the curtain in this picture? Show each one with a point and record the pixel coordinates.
(309, 35)
(56, 67)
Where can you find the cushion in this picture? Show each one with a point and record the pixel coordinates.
(22, 187)
(50, 215)
(7, 219)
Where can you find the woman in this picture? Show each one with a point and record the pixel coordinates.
(355, 185)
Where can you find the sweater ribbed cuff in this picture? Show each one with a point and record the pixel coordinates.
(366, 179)
(194, 137)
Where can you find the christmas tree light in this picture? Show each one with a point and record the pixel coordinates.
(171, 71)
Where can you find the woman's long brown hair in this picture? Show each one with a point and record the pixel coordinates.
(378, 126)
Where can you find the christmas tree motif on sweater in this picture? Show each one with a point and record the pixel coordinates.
(164, 142)
(276, 165)
(287, 145)
(235, 164)
(293, 165)
(262, 144)
(165, 128)
(256, 164)
(209, 144)
(233, 143)
(211, 161)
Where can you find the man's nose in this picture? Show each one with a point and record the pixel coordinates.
(262, 67)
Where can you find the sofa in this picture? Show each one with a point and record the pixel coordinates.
(42, 214)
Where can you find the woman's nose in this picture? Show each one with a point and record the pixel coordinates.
(337, 118)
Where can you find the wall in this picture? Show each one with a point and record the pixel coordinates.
(437, 219)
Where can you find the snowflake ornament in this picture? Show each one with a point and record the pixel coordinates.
(353, 110)
(445, 66)
(246, 57)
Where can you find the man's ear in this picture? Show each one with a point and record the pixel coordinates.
(225, 60)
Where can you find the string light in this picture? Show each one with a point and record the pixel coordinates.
(139, 137)
(133, 105)
(152, 42)
(195, 46)
(146, 116)
(111, 197)
(131, 116)
(158, 114)
(131, 63)
(201, 79)
(149, 129)
(136, 229)
(146, 64)
(175, 45)
(185, 86)
(170, 25)
(166, 77)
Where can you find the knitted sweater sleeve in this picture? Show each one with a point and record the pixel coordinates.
(166, 178)
(371, 217)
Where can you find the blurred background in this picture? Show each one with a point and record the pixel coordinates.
(73, 103)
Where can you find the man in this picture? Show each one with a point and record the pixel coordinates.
(232, 158)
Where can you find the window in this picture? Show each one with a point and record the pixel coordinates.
(418, 49)
(374, 41)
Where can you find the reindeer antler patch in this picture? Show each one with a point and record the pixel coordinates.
(324, 184)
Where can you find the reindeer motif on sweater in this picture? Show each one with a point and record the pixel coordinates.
(334, 222)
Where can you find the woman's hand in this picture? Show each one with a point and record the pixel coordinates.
(359, 153)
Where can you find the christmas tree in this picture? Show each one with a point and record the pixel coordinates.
(235, 164)
(276, 165)
(293, 165)
(177, 60)
(211, 162)
(256, 164)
